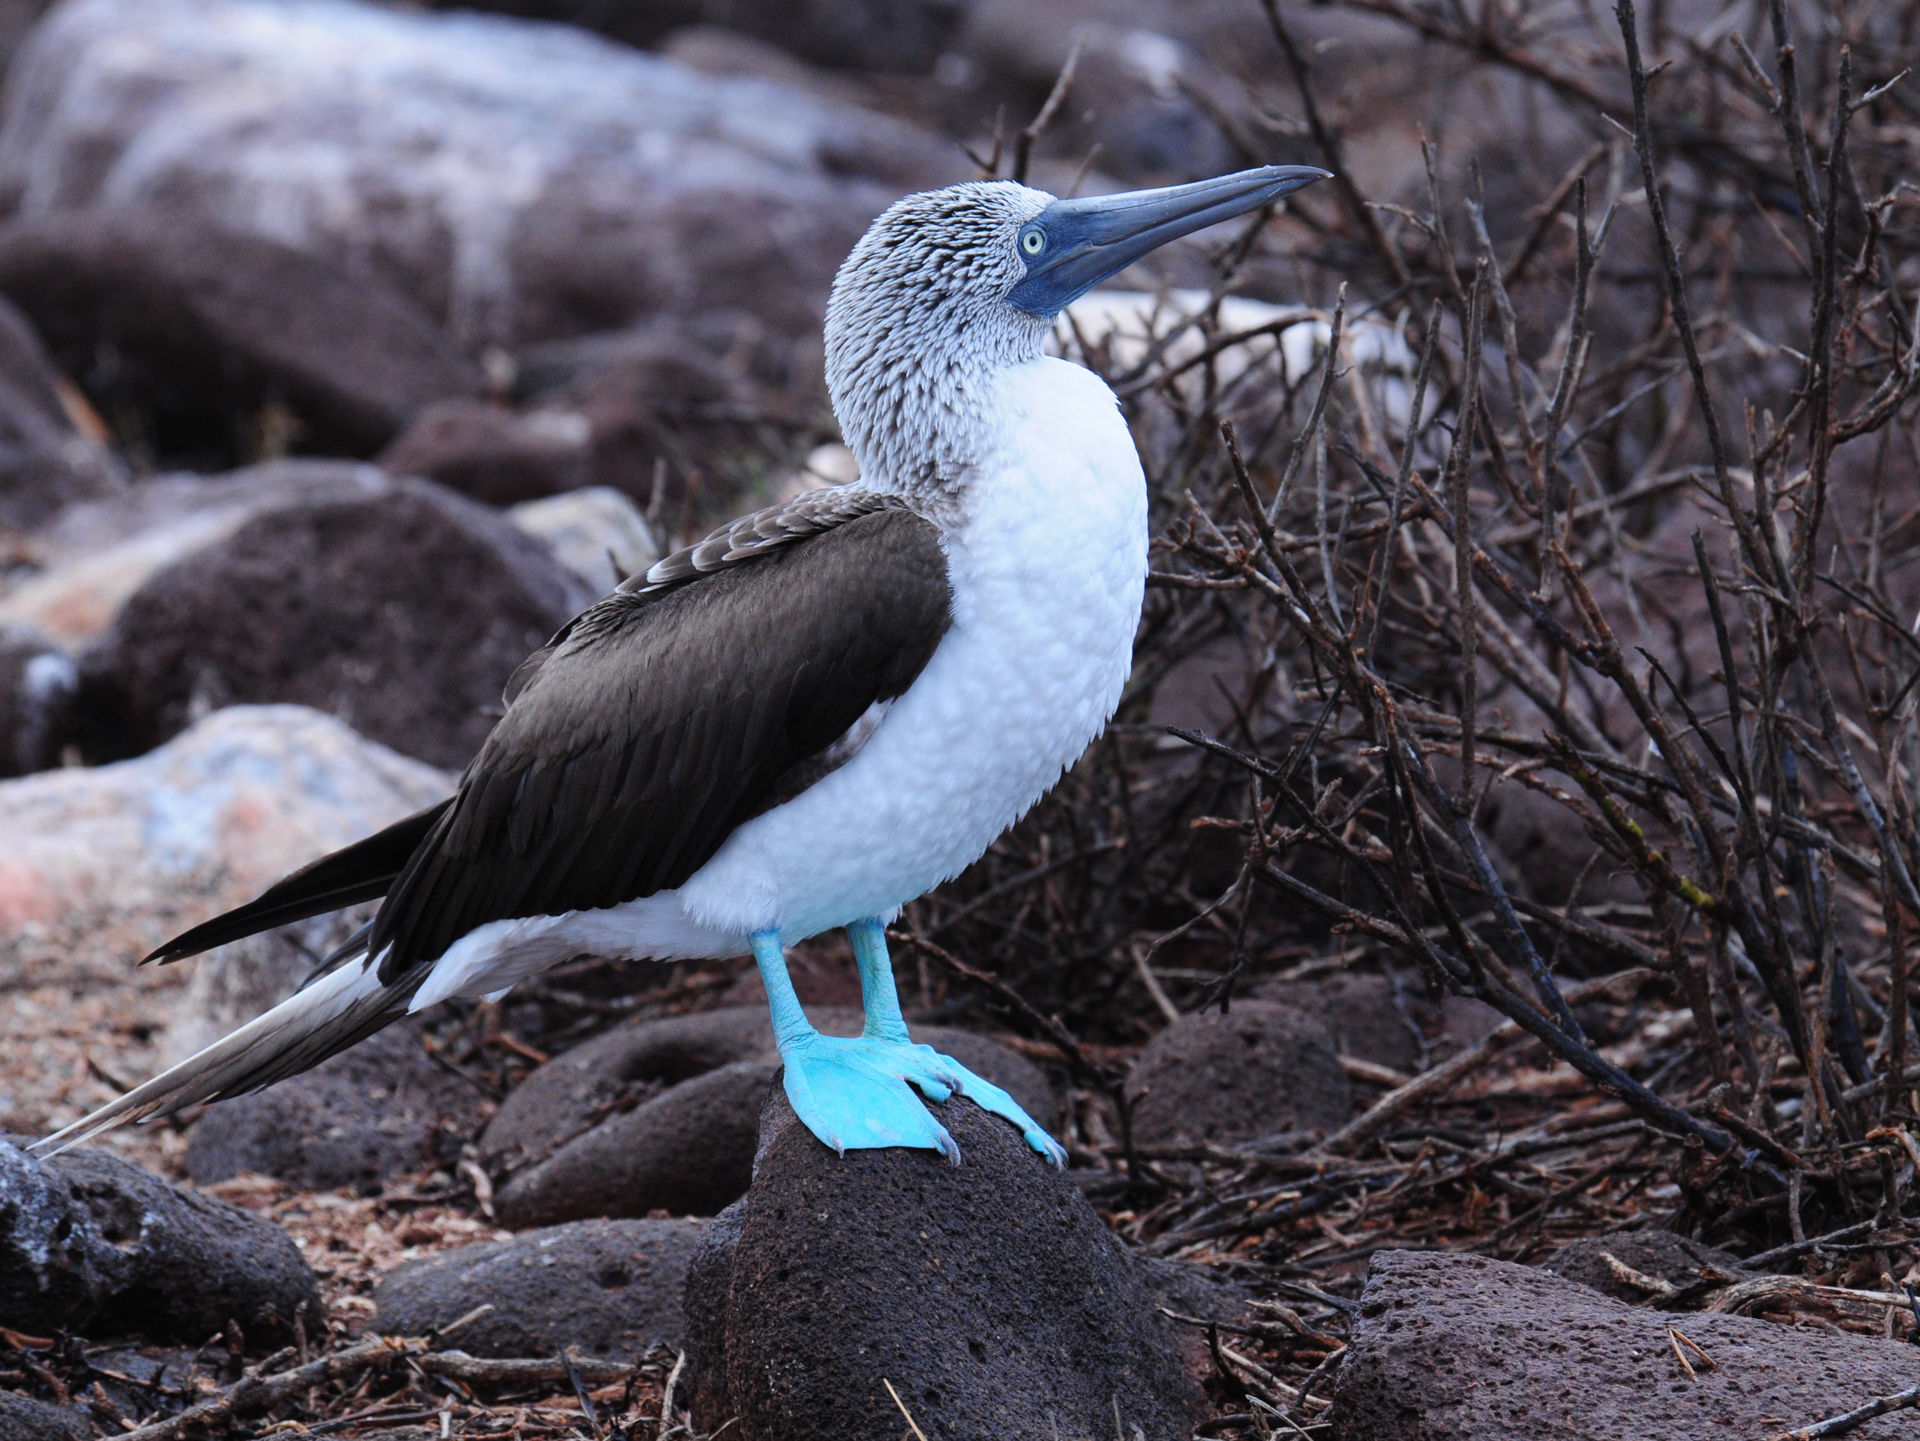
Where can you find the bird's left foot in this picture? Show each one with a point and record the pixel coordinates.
(857, 1093)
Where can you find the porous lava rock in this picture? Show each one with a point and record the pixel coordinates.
(38, 683)
(92, 1245)
(122, 856)
(664, 1114)
(205, 326)
(1262, 1069)
(989, 1295)
(601, 1288)
(519, 181)
(403, 613)
(1679, 1261)
(688, 1150)
(24, 1419)
(46, 464)
(1449, 1347)
(383, 1107)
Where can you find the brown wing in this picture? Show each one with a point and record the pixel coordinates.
(668, 714)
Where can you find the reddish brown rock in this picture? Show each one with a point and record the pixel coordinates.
(141, 850)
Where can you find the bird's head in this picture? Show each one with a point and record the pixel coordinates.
(948, 286)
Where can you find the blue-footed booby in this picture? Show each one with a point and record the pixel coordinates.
(812, 716)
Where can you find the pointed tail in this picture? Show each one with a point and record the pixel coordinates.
(332, 1011)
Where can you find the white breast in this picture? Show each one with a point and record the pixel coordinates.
(1048, 568)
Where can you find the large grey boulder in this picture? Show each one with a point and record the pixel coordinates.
(890, 35)
(24, 1419)
(122, 856)
(519, 180)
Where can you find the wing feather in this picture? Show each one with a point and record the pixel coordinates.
(668, 714)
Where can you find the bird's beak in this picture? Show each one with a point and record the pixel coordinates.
(1085, 241)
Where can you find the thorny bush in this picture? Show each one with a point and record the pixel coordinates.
(1570, 635)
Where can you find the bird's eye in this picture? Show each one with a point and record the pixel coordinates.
(1033, 241)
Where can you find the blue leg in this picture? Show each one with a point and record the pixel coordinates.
(852, 1091)
(886, 1027)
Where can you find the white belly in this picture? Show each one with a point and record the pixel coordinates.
(1048, 571)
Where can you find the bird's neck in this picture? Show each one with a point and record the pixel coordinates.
(920, 419)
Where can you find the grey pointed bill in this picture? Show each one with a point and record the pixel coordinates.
(1073, 245)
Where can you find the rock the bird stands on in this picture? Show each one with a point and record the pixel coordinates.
(812, 716)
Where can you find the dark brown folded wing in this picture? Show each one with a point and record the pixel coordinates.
(671, 712)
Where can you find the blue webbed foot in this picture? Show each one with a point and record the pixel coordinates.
(857, 1092)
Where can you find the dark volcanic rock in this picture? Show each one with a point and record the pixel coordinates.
(1464, 1348)
(24, 1419)
(38, 683)
(182, 331)
(519, 181)
(688, 1150)
(494, 454)
(403, 613)
(45, 463)
(663, 1114)
(1362, 1014)
(382, 1108)
(1263, 1069)
(603, 1288)
(93, 1245)
(989, 1295)
(1661, 1255)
